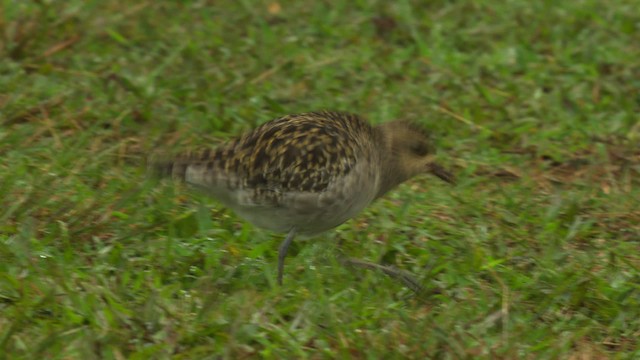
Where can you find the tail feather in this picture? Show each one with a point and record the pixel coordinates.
(166, 168)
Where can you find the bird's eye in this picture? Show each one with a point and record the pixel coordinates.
(420, 148)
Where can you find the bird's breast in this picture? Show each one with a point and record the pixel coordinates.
(314, 212)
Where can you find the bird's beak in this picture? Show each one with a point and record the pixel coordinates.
(442, 173)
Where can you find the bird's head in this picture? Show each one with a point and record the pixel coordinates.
(411, 151)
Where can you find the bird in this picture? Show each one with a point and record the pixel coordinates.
(304, 174)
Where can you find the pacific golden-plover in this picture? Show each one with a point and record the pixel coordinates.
(307, 173)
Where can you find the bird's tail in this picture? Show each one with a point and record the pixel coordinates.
(158, 168)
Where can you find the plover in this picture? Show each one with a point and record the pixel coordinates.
(307, 173)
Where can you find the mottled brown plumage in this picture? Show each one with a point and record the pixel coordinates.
(307, 173)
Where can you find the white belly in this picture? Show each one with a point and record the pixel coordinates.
(311, 213)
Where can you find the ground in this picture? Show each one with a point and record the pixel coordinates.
(534, 254)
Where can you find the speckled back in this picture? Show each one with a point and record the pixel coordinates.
(303, 152)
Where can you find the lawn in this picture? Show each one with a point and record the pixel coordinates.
(533, 254)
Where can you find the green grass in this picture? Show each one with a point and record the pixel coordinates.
(535, 254)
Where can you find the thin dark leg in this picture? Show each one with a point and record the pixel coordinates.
(403, 276)
(406, 278)
(282, 253)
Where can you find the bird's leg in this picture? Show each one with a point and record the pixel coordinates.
(282, 253)
(403, 276)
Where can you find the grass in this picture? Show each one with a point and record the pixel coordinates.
(535, 254)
